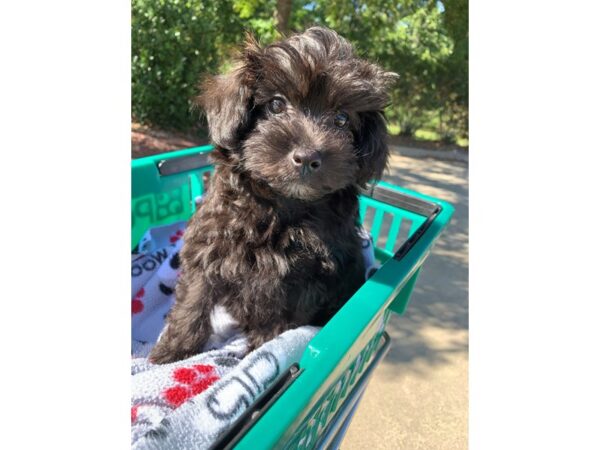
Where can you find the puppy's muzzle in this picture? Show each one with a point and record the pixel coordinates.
(306, 161)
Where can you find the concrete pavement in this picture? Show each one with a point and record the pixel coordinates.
(418, 396)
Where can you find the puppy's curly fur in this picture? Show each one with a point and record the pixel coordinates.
(298, 127)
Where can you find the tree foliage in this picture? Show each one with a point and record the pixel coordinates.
(173, 42)
(424, 41)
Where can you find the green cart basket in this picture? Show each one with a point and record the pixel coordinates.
(311, 404)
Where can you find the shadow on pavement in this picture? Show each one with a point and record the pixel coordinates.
(435, 325)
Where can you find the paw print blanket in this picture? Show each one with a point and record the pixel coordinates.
(189, 403)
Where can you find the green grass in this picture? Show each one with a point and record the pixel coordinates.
(463, 142)
(393, 129)
(425, 134)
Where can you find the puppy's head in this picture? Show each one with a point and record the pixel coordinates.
(303, 115)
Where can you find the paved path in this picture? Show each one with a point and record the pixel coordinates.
(417, 398)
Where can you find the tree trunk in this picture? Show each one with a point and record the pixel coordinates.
(282, 16)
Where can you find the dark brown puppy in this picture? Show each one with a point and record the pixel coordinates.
(297, 127)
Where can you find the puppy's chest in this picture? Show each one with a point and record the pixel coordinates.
(246, 247)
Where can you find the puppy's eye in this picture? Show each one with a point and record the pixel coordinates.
(340, 120)
(277, 105)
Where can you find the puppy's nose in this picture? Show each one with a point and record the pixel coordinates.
(306, 159)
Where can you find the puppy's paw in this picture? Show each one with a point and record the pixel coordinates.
(258, 337)
(163, 353)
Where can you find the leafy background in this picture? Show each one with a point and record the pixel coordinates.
(174, 42)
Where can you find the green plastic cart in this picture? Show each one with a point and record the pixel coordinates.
(312, 403)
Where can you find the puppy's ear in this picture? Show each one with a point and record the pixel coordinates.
(372, 147)
(372, 139)
(227, 99)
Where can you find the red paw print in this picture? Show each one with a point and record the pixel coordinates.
(137, 306)
(175, 237)
(134, 413)
(193, 380)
